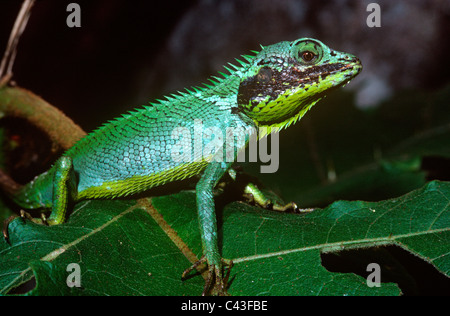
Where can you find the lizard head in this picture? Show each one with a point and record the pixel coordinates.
(285, 80)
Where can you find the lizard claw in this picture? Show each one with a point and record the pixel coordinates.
(24, 216)
(291, 207)
(194, 266)
(5, 230)
(283, 208)
(215, 275)
(221, 283)
(256, 196)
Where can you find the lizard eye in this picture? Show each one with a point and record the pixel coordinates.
(308, 52)
(308, 56)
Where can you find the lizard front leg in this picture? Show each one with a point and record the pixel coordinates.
(262, 200)
(216, 283)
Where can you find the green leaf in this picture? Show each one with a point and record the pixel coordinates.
(120, 249)
(141, 248)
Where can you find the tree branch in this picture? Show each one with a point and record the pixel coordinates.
(19, 102)
(11, 49)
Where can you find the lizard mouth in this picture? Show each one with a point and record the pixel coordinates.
(316, 74)
(314, 77)
(354, 66)
(349, 71)
(264, 95)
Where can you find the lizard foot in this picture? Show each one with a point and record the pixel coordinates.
(216, 283)
(24, 216)
(291, 207)
(256, 196)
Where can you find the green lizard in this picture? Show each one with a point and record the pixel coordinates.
(268, 91)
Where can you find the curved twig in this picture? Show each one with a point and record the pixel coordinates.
(19, 102)
(11, 49)
(62, 131)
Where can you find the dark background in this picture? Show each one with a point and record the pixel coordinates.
(128, 53)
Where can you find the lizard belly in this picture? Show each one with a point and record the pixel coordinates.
(142, 163)
(129, 166)
(133, 184)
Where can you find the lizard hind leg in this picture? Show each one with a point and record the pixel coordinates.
(64, 190)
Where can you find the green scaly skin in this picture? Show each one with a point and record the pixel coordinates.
(272, 89)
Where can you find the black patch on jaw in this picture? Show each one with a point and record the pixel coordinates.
(322, 70)
(271, 82)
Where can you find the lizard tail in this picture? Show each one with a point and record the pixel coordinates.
(35, 194)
